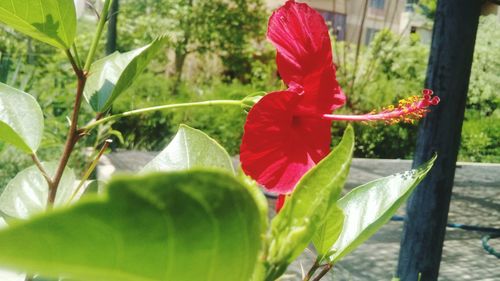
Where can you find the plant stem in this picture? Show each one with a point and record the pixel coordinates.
(40, 167)
(323, 272)
(91, 168)
(74, 134)
(74, 63)
(71, 141)
(77, 57)
(160, 107)
(313, 269)
(95, 42)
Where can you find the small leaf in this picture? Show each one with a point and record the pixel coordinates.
(368, 207)
(27, 193)
(191, 148)
(293, 228)
(21, 119)
(183, 226)
(50, 21)
(112, 75)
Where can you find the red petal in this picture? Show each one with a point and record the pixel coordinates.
(322, 94)
(304, 56)
(280, 202)
(277, 148)
(301, 37)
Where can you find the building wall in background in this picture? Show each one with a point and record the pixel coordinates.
(345, 16)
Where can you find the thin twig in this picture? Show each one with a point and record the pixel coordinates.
(95, 41)
(90, 169)
(77, 56)
(313, 269)
(97, 122)
(40, 167)
(74, 64)
(323, 272)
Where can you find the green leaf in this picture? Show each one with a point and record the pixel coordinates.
(262, 204)
(183, 226)
(6, 275)
(191, 148)
(50, 21)
(258, 196)
(293, 228)
(112, 75)
(368, 207)
(27, 193)
(329, 232)
(21, 119)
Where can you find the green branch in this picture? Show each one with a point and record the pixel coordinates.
(158, 108)
(95, 41)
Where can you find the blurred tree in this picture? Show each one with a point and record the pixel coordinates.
(222, 27)
(484, 95)
(427, 8)
(390, 68)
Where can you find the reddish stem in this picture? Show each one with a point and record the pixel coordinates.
(73, 133)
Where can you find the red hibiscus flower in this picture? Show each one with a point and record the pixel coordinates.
(288, 132)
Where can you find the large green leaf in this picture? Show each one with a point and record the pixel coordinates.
(6, 275)
(27, 193)
(112, 75)
(183, 226)
(368, 207)
(50, 21)
(21, 119)
(293, 228)
(191, 148)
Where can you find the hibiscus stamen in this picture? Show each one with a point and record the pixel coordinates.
(408, 110)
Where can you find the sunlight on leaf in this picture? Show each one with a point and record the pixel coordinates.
(50, 21)
(112, 75)
(21, 119)
(191, 148)
(27, 193)
(294, 227)
(368, 207)
(183, 226)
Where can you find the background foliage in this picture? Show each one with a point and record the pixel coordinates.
(225, 55)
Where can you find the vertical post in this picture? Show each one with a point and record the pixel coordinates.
(112, 27)
(450, 62)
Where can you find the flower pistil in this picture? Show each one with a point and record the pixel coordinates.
(408, 110)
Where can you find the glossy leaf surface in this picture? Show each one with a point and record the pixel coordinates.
(21, 119)
(191, 148)
(27, 193)
(112, 75)
(368, 207)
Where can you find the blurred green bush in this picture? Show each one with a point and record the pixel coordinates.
(153, 131)
(480, 140)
